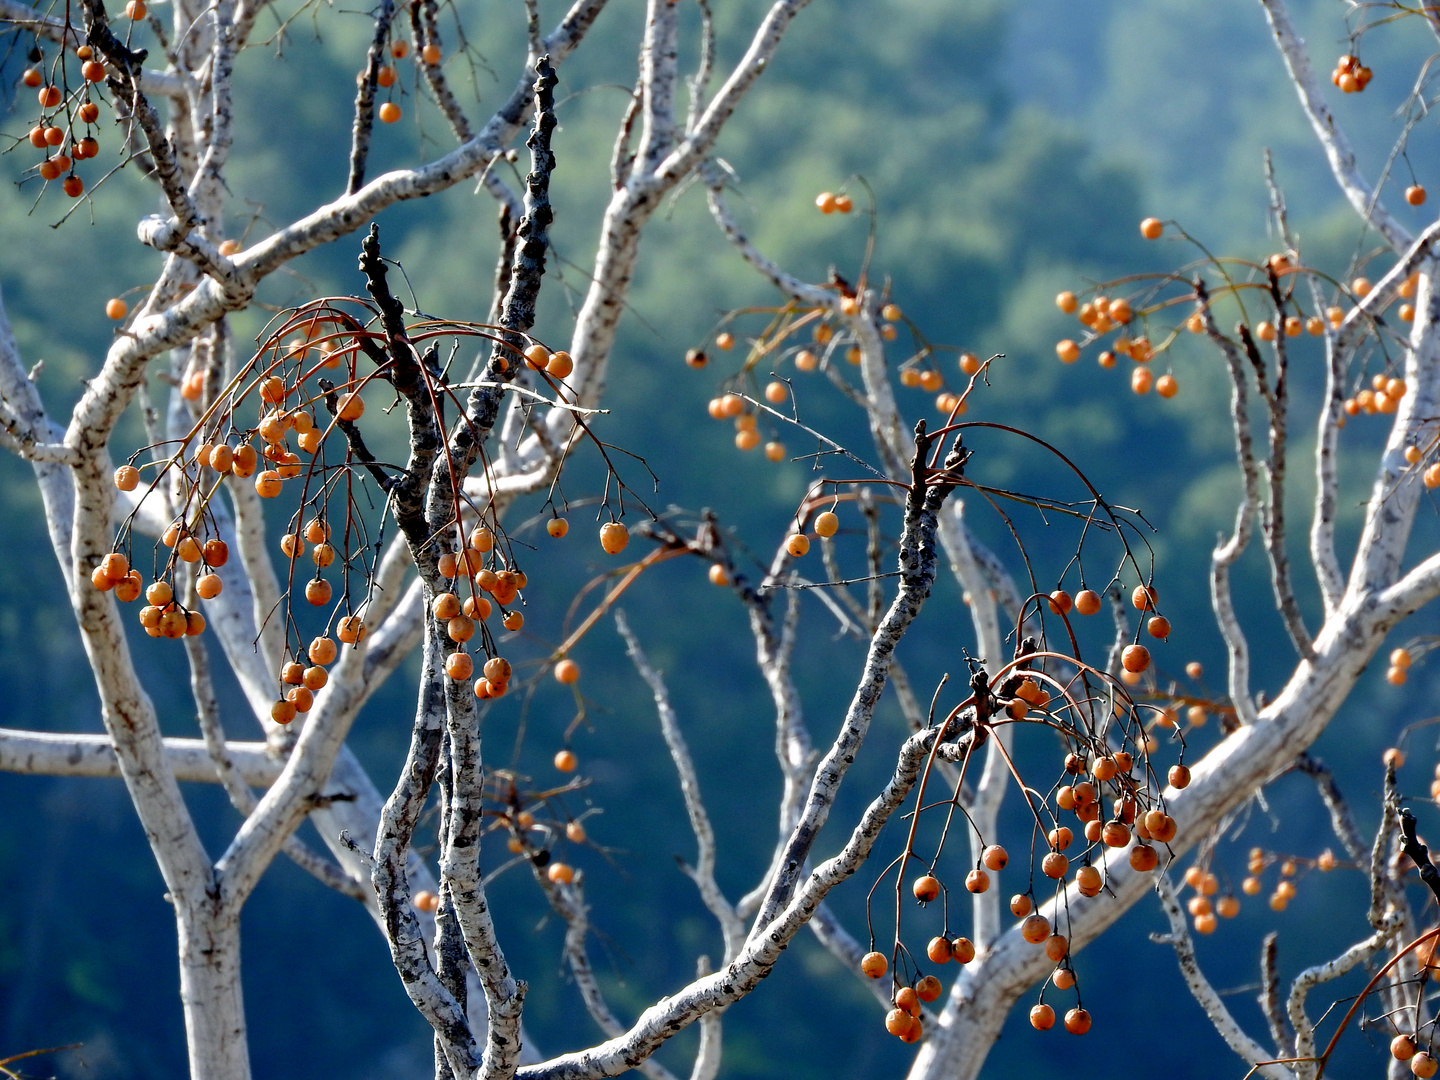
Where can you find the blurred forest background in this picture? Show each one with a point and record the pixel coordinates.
(1011, 147)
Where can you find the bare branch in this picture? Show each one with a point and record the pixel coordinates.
(1249, 1051)
(1363, 198)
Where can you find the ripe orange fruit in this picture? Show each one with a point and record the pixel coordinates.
(1035, 929)
(74, 186)
(874, 964)
(49, 97)
(928, 988)
(561, 364)
(566, 761)
(1403, 1047)
(318, 592)
(1151, 228)
(613, 537)
(322, 650)
(209, 586)
(1087, 602)
(1415, 195)
(1143, 858)
(1135, 658)
(389, 112)
(1066, 302)
(459, 666)
(898, 1022)
(797, 544)
(825, 201)
(567, 671)
(560, 873)
(1423, 1065)
(1042, 1017)
(431, 54)
(1067, 350)
(925, 889)
(977, 881)
(1077, 1021)
(962, 950)
(351, 630)
(938, 950)
(1166, 386)
(1088, 879)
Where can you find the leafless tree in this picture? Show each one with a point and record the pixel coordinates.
(477, 445)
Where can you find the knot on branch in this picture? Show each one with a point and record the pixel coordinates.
(160, 233)
(1419, 854)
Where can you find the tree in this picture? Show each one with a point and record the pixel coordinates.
(446, 540)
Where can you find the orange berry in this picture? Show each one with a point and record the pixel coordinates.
(962, 950)
(797, 544)
(1151, 228)
(977, 881)
(560, 873)
(389, 112)
(1067, 350)
(1135, 658)
(1035, 929)
(874, 964)
(1087, 602)
(613, 537)
(567, 671)
(925, 889)
(1042, 1017)
(1077, 1021)
(1415, 195)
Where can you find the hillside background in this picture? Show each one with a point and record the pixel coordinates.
(1011, 149)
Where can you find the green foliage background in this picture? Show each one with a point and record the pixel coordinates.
(1011, 148)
